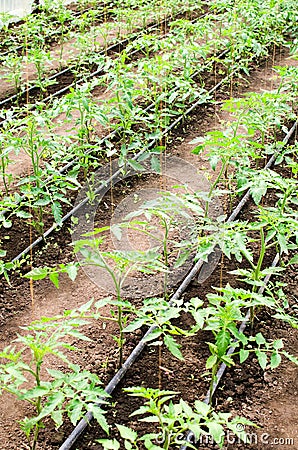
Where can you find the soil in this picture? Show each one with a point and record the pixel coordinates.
(267, 398)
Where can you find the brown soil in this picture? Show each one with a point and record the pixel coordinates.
(266, 398)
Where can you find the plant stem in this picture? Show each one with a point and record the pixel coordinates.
(213, 186)
(38, 406)
(256, 276)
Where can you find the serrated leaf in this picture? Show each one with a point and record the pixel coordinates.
(244, 354)
(76, 412)
(54, 277)
(100, 418)
(223, 339)
(136, 324)
(135, 165)
(292, 358)
(181, 259)
(109, 444)
(52, 403)
(294, 260)
(57, 212)
(216, 431)
(275, 360)
(127, 433)
(57, 417)
(202, 408)
(39, 273)
(211, 361)
(155, 164)
(86, 306)
(23, 214)
(42, 202)
(260, 339)
(262, 358)
(72, 271)
(173, 346)
(257, 192)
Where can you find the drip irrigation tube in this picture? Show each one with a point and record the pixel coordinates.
(112, 48)
(111, 386)
(189, 437)
(113, 133)
(21, 47)
(79, 429)
(110, 180)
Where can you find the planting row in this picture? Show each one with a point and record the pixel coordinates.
(236, 156)
(168, 88)
(80, 47)
(274, 226)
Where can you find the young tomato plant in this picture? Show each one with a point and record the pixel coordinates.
(118, 265)
(173, 421)
(56, 393)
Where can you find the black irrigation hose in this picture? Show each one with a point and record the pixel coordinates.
(82, 425)
(74, 15)
(111, 386)
(189, 437)
(110, 180)
(117, 47)
(114, 133)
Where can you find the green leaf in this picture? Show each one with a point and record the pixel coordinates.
(211, 361)
(86, 306)
(275, 360)
(72, 271)
(54, 277)
(57, 417)
(109, 444)
(155, 164)
(39, 273)
(223, 339)
(42, 202)
(278, 344)
(294, 260)
(181, 259)
(292, 358)
(100, 418)
(76, 412)
(135, 165)
(136, 324)
(127, 433)
(213, 161)
(216, 431)
(262, 358)
(57, 212)
(257, 192)
(38, 391)
(23, 214)
(260, 339)
(202, 408)
(243, 355)
(55, 400)
(173, 346)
